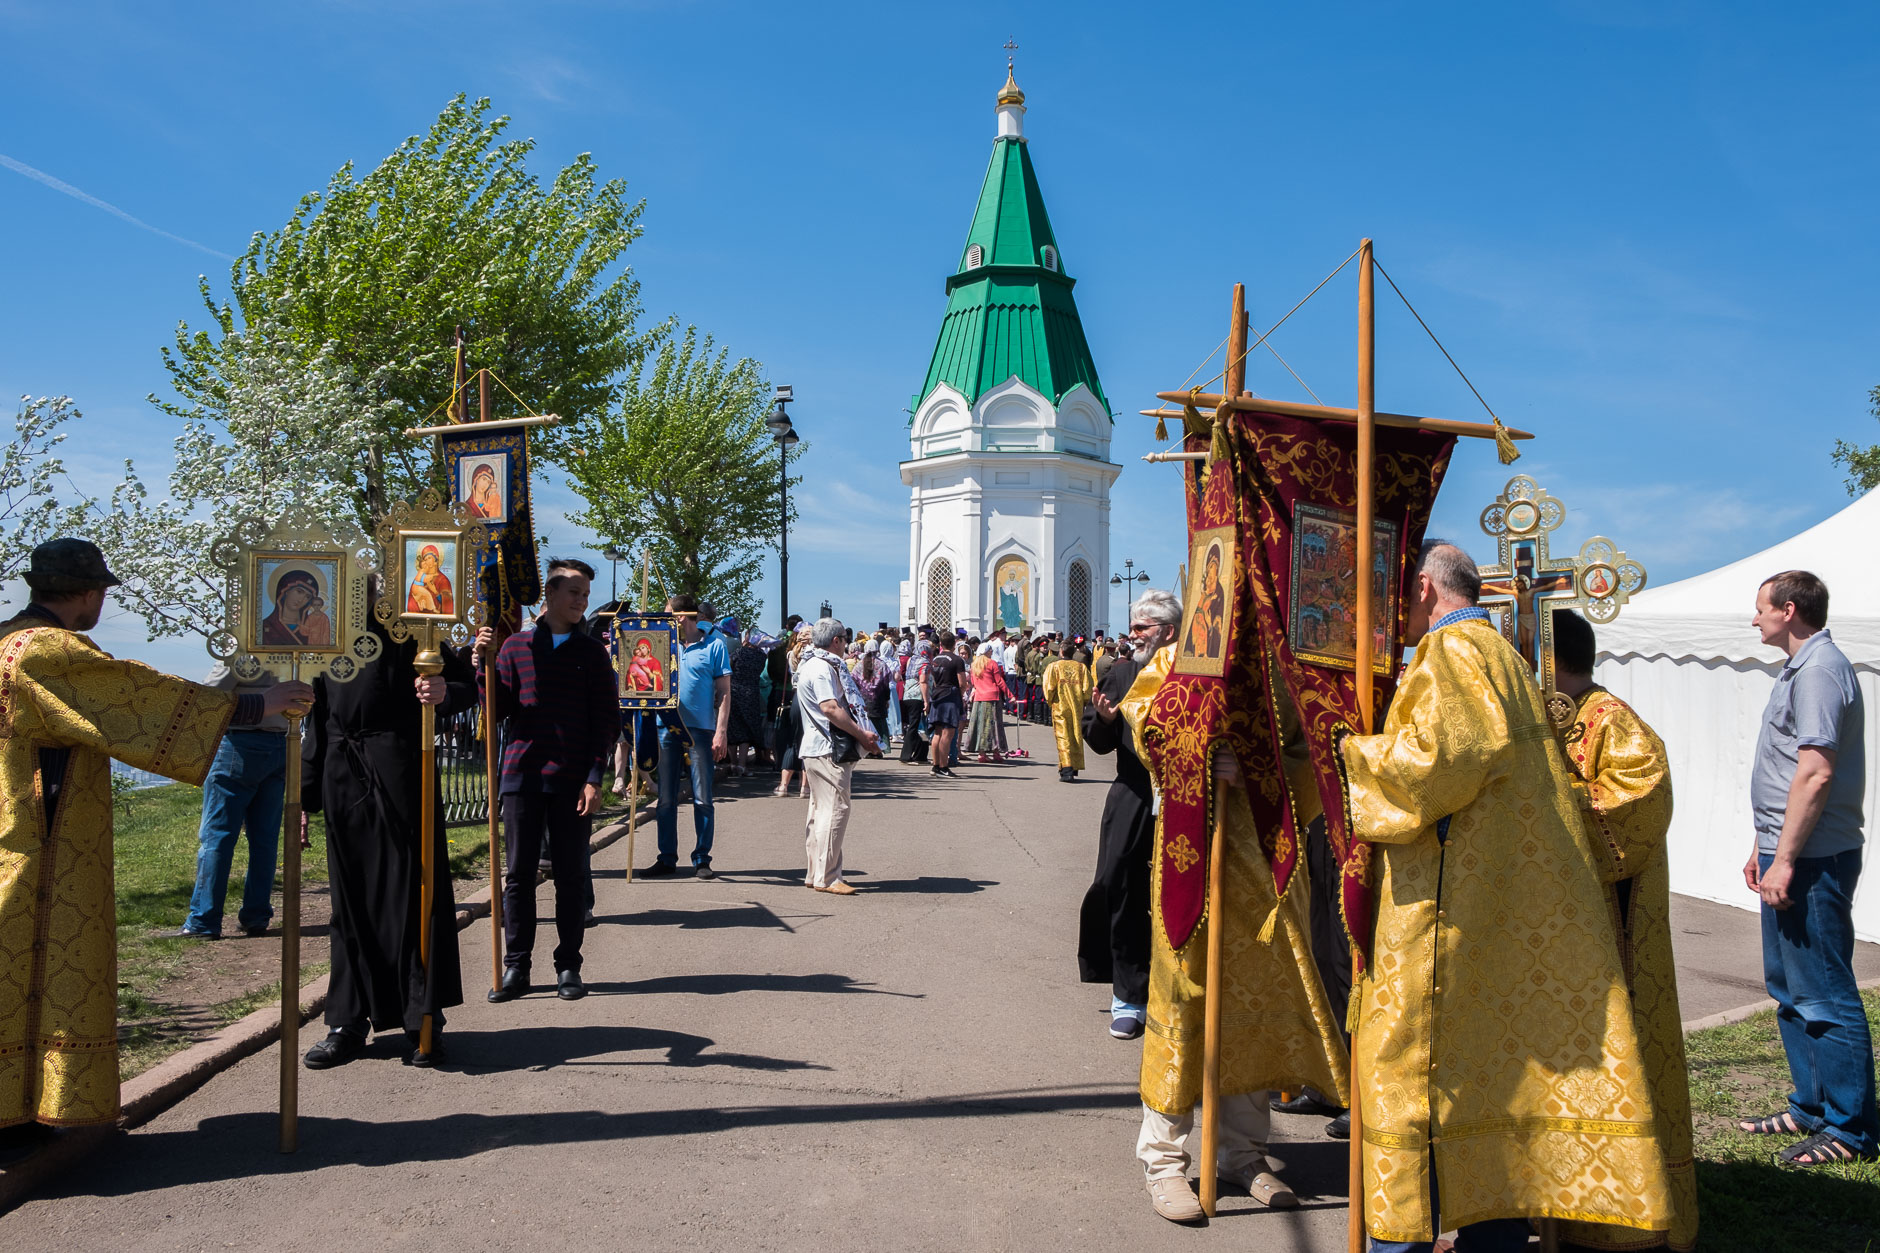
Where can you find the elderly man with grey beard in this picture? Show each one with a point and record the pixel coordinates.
(828, 699)
(1113, 932)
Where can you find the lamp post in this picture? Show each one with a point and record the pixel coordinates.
(786, 437)
(1125, 579)
(827, 612)
(616, 556)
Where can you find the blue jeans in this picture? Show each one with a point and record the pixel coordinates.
(246, 787)
(894, 715)
(1808, 967)
(673, 750)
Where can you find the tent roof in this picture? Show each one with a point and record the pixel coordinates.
(1707, 616)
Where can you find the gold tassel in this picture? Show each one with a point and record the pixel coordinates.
(1352, 1004)
(1218, 449)
(1504, 445)
(1161, 429)
(1267, 928)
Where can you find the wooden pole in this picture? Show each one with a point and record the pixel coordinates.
(633, 734)
(428, 663)
(1325, 413)
(460, 404)
(1208, 1168)
(1365, 610)
(492, 780)
(290, 935)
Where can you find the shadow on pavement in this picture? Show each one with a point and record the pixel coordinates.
(544, 1048)
(752, 915)
(721, 985)
(931, 885)
(241, 1146)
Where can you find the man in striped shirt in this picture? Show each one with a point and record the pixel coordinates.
(555, 698)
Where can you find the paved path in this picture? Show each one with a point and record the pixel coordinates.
(757, 1067)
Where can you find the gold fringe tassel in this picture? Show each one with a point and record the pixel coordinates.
(1504, 444)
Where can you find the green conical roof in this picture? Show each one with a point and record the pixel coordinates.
(1009, 305)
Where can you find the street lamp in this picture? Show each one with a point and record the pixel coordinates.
(786, 437)
(1124, 580)
(827, 612)
(616, 556)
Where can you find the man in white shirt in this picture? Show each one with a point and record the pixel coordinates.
(826, 696)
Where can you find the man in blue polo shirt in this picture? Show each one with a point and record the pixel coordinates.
(1805, 798)
(705, 709)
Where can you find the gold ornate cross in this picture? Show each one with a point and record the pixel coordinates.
(1011, 46)
(1527, 583)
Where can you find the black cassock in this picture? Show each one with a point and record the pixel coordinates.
(362, 768)
(1113, 931)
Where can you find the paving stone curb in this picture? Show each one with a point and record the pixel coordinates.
(1741, 1012)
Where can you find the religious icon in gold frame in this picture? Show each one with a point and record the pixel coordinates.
(1323, 608)
(431, 551)
(1207, 638)
(296, 599)
(646, 661)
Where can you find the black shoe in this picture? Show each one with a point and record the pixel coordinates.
(337, 1049)
(424, 1061)
(184, 933)
(658, 870)
(1065, 776)
(1306, 1102)
(945, 772)
(704, 872)
(1340, 1127)
(255, 933)
(568, 985)
(515, 983)
(20, 1142)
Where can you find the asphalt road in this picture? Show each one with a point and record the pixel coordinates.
(757, 1067)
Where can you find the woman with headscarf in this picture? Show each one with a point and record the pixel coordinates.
(746, 727)
(989, 691)
(872, 681)
(913, 700)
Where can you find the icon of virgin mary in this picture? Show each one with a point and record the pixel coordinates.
(430, 586)
(299, 617)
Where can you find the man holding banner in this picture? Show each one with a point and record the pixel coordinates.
(1495, 1050)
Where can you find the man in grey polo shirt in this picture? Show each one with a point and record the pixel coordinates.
(1810, 774)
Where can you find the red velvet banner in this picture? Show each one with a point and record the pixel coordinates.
(1287, 486)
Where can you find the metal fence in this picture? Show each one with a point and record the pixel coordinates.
(460, 768)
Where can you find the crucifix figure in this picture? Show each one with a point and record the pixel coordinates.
(1525, 586)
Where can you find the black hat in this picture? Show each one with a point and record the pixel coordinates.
(68, 565)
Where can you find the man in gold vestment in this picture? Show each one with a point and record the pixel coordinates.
(1277, 1029)
(67, 709)
(1067, 688)
(1623, 784)
(1496, 1060)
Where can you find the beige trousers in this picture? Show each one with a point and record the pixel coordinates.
(828, 818)
(1164, 1144)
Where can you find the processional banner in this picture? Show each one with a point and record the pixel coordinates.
(1271, 612)
(488, 473)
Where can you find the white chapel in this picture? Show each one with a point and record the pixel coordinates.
(1009, 463)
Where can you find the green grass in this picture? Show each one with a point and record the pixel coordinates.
(1747, 1202)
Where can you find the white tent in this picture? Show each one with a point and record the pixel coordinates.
(1686, 657)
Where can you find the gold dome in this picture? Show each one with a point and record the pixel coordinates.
(1010, 94)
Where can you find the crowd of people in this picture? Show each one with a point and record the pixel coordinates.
(1540, 1058)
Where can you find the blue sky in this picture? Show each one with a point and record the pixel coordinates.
(1644, 230)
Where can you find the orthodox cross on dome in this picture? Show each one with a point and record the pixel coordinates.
(1011, 46)
(1527, 584)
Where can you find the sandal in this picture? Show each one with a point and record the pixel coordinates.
(1821, 1149)
(1782, 1124)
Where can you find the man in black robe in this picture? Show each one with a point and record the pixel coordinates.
(362, 766)
(1113, 935)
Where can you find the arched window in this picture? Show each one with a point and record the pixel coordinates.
(975, 257)
(940, 594)
(1077, 598)
(1049, 255)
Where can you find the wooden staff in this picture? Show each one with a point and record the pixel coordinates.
(493, 609)
(1209, 1167)
(1363, 613)
(429, 663)
(290, 933)
(633, 735)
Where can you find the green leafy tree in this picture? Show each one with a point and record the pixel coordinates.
(450, 230)
(1863, 464)
(686, 469)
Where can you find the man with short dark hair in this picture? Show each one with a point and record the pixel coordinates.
(1805, 796)
(555, 687)
(703, 739)
(945, 706)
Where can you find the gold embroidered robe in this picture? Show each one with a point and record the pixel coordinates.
(1623, 783)
(1067, 688)
(58, 916)
(1494, 1028)
(1277, 1028)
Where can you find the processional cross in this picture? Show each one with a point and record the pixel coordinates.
(1526, 584)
